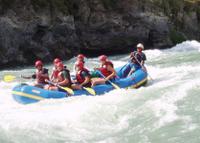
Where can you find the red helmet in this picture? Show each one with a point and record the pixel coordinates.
(60, 64)
(38, 63)
(56, 60)
(103, 58)
(80, 65)
(81, 56)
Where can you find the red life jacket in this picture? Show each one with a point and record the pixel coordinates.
(55, 73)
(104, 69)
(41, 79)
(79, 76)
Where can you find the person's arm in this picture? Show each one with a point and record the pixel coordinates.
(29, 77)
(142, 63)
(110, 68)
(66, 79)
(131, 71)
(87, 80)
(143, 57)
(44, 73)
(64, 82)
(52, 76)
(33, 76)
(74, 81)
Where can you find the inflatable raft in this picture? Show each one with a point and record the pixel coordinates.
(26, 94)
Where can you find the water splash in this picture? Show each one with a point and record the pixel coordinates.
(165, 110)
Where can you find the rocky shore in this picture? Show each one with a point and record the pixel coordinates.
(45, 29)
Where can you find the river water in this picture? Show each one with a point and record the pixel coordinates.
(166, 110)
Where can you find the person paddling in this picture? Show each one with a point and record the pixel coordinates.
(79, 58)
(139, 55)
(41, 74)
(63, 78)
(107, 69)
(137, 59)
(83, 78)
(55, 71)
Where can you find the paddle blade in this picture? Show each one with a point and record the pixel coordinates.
(69, 90)
(90, 90)
(9, 78)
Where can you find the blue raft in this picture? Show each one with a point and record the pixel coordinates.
(26, 94)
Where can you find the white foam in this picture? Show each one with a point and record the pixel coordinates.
(187, 46)
(166, 106)
(132, 113)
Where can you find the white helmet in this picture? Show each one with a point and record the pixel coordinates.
(140, 45)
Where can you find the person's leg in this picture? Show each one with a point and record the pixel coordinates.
(98, 81)
(76, 86)
(39, 85)
(47, 86)
(126, 70)
(53, 88)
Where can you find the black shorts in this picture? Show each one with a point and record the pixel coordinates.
(61, 90)
(88, 85)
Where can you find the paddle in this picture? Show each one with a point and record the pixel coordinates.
(69, 90)
(143, 67)
(9, 78)
(90, 90)
(114, 85)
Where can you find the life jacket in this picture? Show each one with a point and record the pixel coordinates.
(41, 79)
(79, 77)
(139, 55)
(61, 78)
(55, 73)
(104, 70)
(135, 58)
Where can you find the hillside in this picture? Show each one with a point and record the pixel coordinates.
(45, 29)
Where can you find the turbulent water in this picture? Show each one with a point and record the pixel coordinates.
(166, 110)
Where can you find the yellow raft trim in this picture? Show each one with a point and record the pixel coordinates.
(27, 95)
(139, 83)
